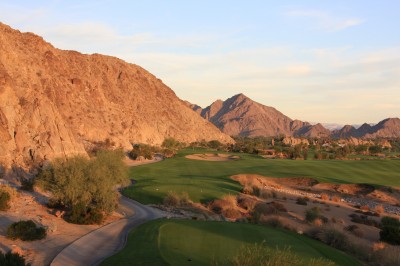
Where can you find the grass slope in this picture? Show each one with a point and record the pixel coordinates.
(180, 242)
(205, 180)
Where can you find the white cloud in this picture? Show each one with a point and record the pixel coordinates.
(326, 21)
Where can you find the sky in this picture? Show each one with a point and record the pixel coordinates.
(318, 61)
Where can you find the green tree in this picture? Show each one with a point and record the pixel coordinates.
(78, 182)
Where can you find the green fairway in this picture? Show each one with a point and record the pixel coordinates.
(205, 180)
(176, 242)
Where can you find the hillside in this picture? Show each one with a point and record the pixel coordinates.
(55, 103)
(387, 128)
(239, 115)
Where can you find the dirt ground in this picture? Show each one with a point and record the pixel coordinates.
(337, 212)
(31, 206)
(212, 157)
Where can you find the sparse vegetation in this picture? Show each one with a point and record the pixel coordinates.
(26, 231)
(86, 188)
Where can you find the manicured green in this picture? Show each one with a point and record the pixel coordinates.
(183, 242)
(206, 180)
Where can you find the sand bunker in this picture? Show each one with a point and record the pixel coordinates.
(219, 157)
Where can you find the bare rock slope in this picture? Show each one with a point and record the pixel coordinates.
(239, 115)
(53, 102)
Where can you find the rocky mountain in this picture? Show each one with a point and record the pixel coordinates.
(55, 102)
(387, 128)
(239, 115)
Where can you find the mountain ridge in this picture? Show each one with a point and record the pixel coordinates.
(240, 115)
(57, 103)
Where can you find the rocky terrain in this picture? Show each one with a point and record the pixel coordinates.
(389, 127)
(240, 115)
(57, 103)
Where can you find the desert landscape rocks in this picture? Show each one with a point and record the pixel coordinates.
(53, 103)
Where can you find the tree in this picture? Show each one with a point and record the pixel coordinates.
(85, 187)
(390, 230)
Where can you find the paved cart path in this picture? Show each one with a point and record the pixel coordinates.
(94, 247)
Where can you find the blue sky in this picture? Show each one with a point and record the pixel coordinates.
(325, 61)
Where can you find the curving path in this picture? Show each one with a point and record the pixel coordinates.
(94, 247)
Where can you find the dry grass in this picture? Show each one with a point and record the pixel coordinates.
(335, 198)
(379, 209)
(324, 196)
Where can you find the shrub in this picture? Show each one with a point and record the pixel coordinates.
(390, 230)
(379, 209)
(269, 208)
(26, 231)
(330, 236)
(81, 214)
(335, 198)
(365, 208)
(247, 203)
(171, 199)
(324, 196)
(301, 201)
(27, 183)
(91, 183)
(4, 200)
(355, 230)
(363, 219)
(312, 214)
(12, 259)
(266, 194)
(232, 213)
(274, 221)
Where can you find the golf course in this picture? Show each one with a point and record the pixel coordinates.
(183, 242)
(207, 180)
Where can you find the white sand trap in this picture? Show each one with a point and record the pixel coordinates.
(213, 157)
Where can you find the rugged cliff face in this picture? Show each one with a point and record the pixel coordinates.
(54, 102)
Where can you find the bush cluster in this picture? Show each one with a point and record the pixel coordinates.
(12, 259)
(390, 230)
(26, 231)
(302, 201)
(85, 188)
(173, 199)
(363, 219)
(4, 200)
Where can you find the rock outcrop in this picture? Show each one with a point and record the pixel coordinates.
(54, 102)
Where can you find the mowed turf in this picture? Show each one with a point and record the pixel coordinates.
(186, 242)
(207, 180)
